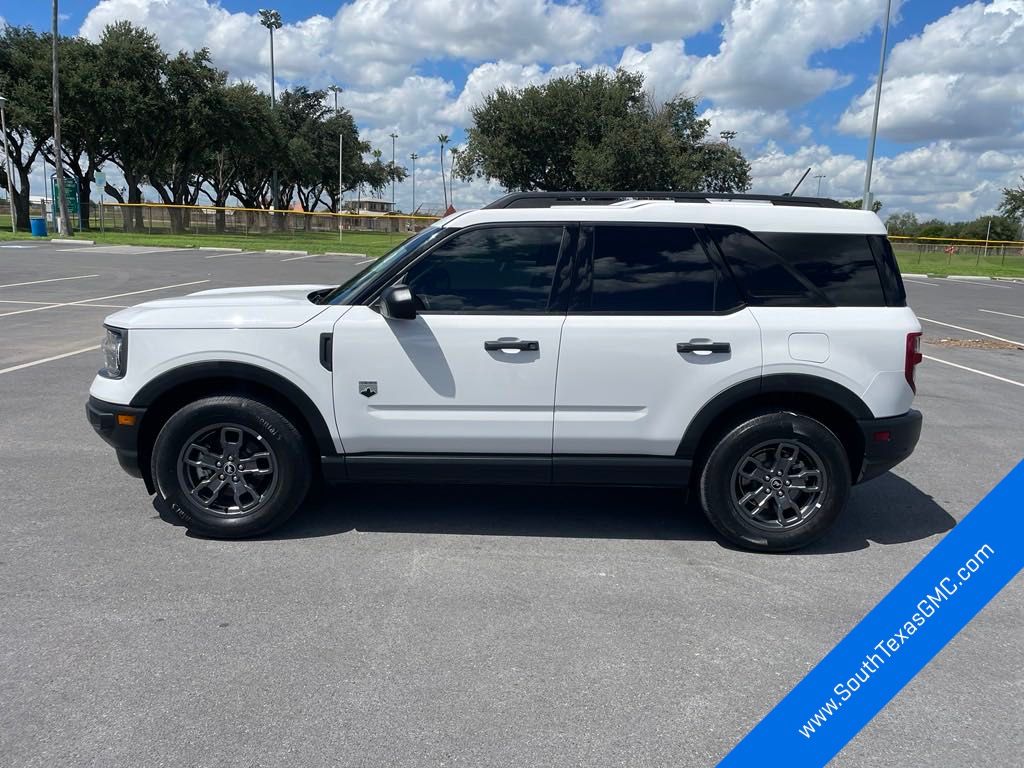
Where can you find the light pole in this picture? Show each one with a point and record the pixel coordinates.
(727, 136)
(451, 177)
(414, 157)
(7, 162)
(271, 19)
(819, 177)
(336, 89)
(866, 202)
(393, 137)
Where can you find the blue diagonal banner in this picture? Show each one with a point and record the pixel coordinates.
(897, 638)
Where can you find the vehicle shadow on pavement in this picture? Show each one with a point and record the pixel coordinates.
(888, 510)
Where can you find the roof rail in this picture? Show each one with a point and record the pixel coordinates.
(548, 199)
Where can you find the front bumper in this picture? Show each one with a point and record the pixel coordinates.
(121, 434)
(887, 442)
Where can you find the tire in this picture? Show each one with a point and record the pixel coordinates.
(223, 433)
(807, 485)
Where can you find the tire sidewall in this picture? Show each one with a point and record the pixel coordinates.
(717, 478)
(278, 432)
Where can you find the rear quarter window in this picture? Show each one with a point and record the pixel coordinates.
(804, 269)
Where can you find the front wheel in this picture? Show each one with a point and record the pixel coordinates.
(775, 482)
(231, 467)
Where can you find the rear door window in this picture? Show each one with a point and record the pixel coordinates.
(654, 269)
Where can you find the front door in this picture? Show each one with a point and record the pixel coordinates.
(474, 371)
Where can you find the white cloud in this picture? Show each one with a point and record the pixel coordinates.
(648, 21)
(962, 77)
(487, 78)
(765, 56)
(665, 66)
(936, 180)
(754, 127)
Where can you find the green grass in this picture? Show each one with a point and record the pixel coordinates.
(370, 243)
(944, 264)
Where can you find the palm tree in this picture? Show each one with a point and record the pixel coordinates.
(451, 176)
(443, 140)
(377, 154)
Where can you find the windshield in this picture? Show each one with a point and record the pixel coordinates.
(344, 292)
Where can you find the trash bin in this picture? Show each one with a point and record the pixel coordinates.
(38, 227)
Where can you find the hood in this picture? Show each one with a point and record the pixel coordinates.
(264, 306)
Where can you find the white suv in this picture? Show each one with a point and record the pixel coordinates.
(757, 350)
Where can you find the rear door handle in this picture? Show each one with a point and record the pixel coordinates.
(524, 346)
(716, 347)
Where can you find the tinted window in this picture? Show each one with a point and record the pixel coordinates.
(892, 281)
(802, 269)
(841, 266)
(762, 276)
(653, 269)
(493, 269)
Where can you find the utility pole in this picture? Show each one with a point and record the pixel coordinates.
(393, 137)
(271, 19)
(866, 203)
(414, 157)
(341, 188)
(63, 220)
(7, 164)
(819, 177)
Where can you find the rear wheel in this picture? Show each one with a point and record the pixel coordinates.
(231, 467)
(775, 482)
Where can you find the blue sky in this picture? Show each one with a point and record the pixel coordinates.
(793, 77)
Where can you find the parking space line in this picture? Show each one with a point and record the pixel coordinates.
(364, 261)
(14, 368)
(101, 298)
(231, 253)
(919, 282)
(963, 368)
(1005, 314)
(51, 280)
(299, 258)
(972, 330)
(54, 303)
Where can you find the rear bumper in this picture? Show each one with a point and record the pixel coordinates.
(887, 442)
(124, 437)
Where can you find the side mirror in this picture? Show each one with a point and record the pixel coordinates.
(397, 303)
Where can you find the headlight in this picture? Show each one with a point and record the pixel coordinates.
(115, 353)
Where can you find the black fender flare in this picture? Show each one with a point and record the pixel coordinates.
(228, 370)
(780, 384)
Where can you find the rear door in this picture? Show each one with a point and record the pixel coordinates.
(474, 371)
(655, 329)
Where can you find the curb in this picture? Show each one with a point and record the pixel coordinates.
(212, 248)
(344, 253)
(64, 241)
(286, 253)
(914, 274)
(968, 277)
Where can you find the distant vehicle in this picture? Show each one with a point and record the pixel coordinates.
(756, 351)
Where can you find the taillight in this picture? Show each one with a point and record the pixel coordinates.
(913, 358)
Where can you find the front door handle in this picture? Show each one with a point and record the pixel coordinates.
(716, 347)
(523, 346)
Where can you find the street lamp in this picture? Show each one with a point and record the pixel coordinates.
(271, 19)
(393, 137)
(7, 161)
(414, 157)
(866, 201)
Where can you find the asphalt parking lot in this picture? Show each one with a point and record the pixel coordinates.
(419, 626)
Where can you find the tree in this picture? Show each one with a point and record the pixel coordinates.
(195, 94)
(1012, 205)
(596, 131)
(902, 224)
(857, 204)
(24, 74)
(132, 95)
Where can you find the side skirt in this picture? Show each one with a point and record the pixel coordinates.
(508, 469)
